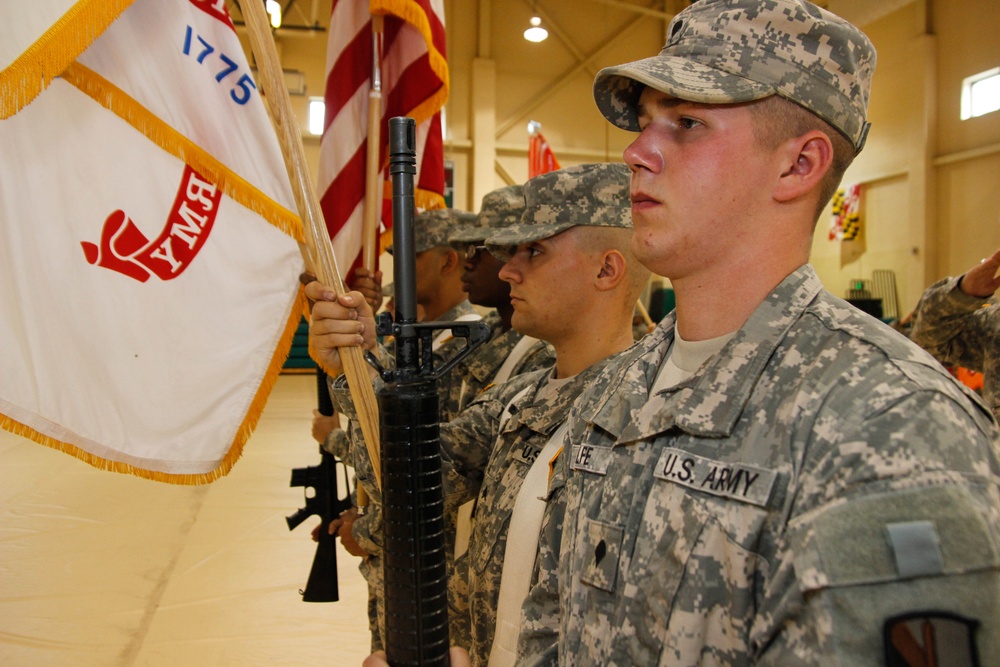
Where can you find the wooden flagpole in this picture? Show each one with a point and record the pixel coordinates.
(373, 187)
(319, 249)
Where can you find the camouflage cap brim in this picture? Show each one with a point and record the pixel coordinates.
(470, 235)
(501, 208)
(617, 89)
(587, 195)
(526, 234)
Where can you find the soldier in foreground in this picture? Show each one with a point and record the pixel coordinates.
(770, 477)
(574, 284)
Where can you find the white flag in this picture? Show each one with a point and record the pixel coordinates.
(148, 256)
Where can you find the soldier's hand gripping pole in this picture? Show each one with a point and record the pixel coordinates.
(416, 606)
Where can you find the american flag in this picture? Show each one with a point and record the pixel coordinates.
(414, 75)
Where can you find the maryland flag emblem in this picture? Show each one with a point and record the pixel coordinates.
(846, 222)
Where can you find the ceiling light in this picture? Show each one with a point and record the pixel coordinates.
(536, 33)
(274, 10)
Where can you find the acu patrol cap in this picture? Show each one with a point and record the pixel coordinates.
(591, 195)
(501, 208)
(432, 227)
(729, 51)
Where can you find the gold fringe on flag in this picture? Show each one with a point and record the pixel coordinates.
(115, 100)
(60, 45)
(427, 199)
(253, 414)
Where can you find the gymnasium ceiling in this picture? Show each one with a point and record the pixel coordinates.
(573, 15)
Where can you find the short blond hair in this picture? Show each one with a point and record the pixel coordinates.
(777, 119)
(600, 239)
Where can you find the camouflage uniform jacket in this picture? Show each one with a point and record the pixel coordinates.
(476, 372)
(338, 443)
(959, 331)
(472, 375)
(486, 462)
(740, 517)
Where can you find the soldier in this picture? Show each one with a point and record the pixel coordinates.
(574, 284)
(439, 290)
(770, 477)
(507, 354)
(958, 322)
(440, 296)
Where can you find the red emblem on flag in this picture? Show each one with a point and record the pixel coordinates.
(125, 249)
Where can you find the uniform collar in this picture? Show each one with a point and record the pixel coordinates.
(710, 402)
(545, 416)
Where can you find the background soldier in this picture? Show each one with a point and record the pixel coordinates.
(440, 295)
(958, 322)
(507, 354)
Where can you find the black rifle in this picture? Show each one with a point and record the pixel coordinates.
(416, 605)
(325, 503)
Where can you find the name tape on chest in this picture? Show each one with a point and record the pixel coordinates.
(721, 478)
(591, 458)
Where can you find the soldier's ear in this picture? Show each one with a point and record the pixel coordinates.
(450, 261)
(612, 270)
(806, 160)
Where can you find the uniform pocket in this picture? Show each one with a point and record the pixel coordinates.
(602, 544)
(859, 542)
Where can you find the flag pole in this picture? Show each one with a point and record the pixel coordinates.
(373, 189)
(319, 247)
(373, 164)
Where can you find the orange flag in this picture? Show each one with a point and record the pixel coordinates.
(541, 159)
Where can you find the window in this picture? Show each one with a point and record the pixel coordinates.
(981, 93)
(317, 108)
